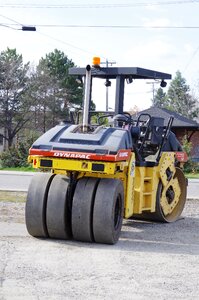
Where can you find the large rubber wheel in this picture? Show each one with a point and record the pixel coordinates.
(58, 211)
(171, 196)
(35, 210)
(82, 209)
(108, 211)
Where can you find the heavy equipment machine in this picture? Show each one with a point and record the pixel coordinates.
(96, 175)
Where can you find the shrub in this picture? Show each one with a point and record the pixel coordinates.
(16, 156)
(190, 166)
(10, 158)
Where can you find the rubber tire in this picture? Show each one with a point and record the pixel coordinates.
(58, 212)
(82, 209)
(109, 196)
(35, 210)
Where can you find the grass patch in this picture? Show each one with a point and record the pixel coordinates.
(192, 175)
(12, 196)
(22, 169)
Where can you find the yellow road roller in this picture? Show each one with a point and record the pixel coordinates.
(94, 175)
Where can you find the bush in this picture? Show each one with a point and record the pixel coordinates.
(16, 156)
(190, 166)
(10, 158)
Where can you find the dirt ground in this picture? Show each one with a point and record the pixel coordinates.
(150, 261)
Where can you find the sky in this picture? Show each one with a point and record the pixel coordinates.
(159, 35)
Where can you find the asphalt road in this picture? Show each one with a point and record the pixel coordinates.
(15, 181)
(150, 261)
(19, 181)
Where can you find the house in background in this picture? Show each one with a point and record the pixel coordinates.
(181, 126)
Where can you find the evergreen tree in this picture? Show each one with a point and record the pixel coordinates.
(160, 99)
(179, 97)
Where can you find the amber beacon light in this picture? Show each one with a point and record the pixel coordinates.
(96, 61)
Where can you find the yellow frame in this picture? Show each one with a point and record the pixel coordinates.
(140, 182)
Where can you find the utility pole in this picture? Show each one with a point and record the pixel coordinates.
(153, 88)
(107, 83)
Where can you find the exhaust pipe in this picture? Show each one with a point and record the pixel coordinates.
(87, 98)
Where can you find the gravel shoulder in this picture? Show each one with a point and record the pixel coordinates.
(150, 261)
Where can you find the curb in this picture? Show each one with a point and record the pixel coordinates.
(13, 190)
(17, 173)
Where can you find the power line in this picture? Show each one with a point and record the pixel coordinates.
(22, 27)
(109, 26)
(98, 5)
(63, 42)
(10, 27)
(190, 60)
(16, 22)
(117, 26)
(30, 28)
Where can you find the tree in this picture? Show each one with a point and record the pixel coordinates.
(134, 110)
(14, 100)
(54, 92)
(58, 65)
(179, 98)
(160, 99)
(43, 93)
